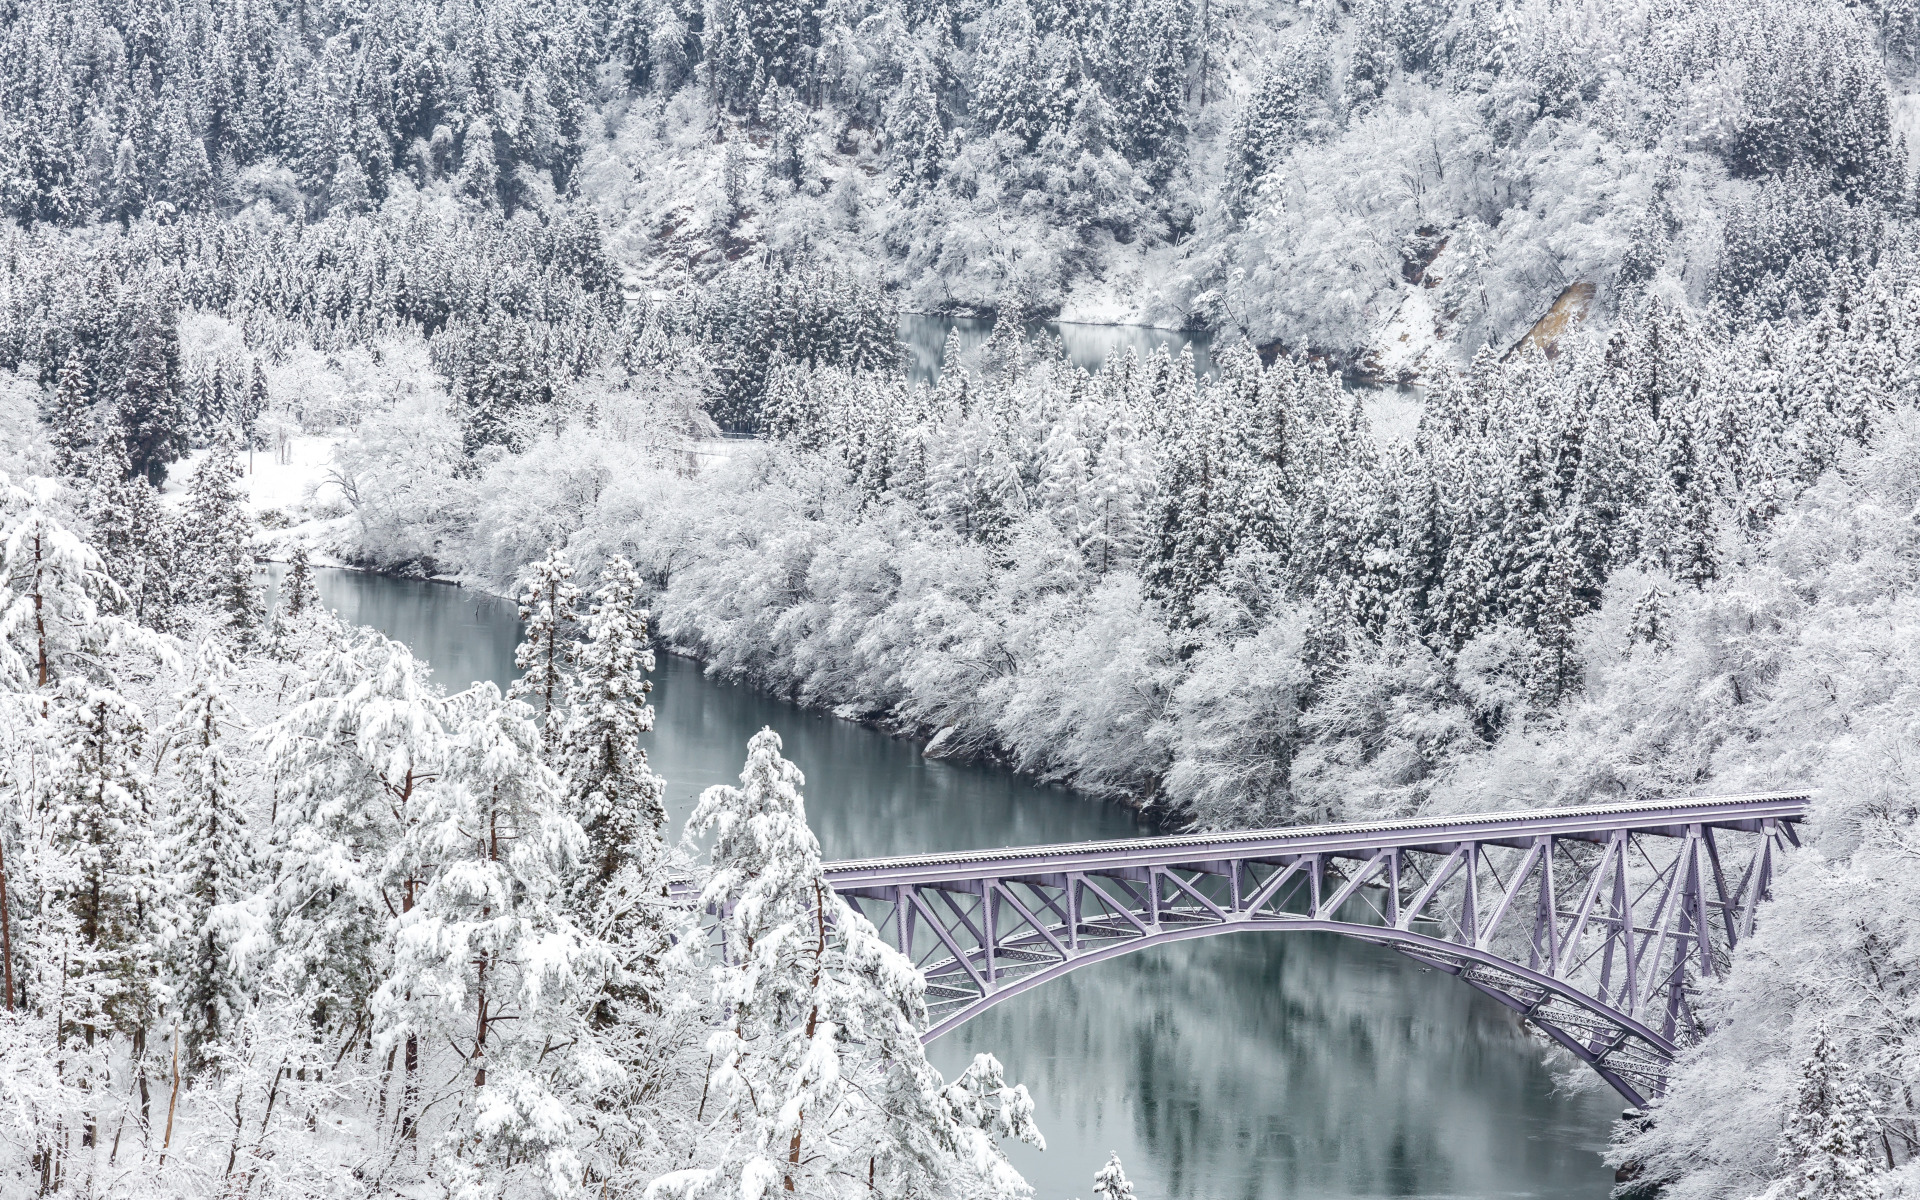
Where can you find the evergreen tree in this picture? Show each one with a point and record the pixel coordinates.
(153, 419)
(101, 818)
(549, 612)
(914, 132)
(1110, 1183)
(485, 959)
(58, 604)
(139, 540)
(618, 798)
(71, 418)
(213, 852)
(352, 767)
(251, 408)
(1281, 112)
(298, 623)
(302, 595)
(217, 533)
(1121, 493)
(215, 406)
(818, 1069)
(349, 188)
(1149, 81)
(1829, 1149)
(479, 171)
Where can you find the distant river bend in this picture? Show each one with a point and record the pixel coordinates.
(1252, 1067)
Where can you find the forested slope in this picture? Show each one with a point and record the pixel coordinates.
(1298, 174)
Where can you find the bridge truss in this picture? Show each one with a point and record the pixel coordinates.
(1596, 925)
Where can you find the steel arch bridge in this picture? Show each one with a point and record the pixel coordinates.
(1594, 924)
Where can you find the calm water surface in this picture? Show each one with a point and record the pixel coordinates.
(1256, 1067)
(925, 338)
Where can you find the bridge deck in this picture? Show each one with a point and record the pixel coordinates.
(1595, 822)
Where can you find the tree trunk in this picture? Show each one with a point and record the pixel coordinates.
(6, 933)
(172, 1097)
(480, 1019)
(410, 1090)
(813, 1014)
(39, 616)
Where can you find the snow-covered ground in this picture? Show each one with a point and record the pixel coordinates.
(300, 482)
(292, 494)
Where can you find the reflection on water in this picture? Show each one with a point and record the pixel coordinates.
(1249, 1067)
(1270, 1066)
(1087, 346)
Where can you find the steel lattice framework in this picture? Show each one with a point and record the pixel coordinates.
(1595, 924)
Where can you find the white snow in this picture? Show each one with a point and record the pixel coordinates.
(299, 486)
(293, 494)
(1402, 348)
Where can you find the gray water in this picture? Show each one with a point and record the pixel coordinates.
(1250, 1067)
(1087, 346)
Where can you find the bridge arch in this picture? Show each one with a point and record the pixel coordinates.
(1594, 924)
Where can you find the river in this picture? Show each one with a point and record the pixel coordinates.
(924, 336)
(1253, 1067)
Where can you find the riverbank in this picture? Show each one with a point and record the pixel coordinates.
(929, 744)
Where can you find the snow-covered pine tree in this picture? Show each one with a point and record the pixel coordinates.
(1150, 88)
(915, 136)
(298, 624)
(479, 172)
(58, 604)
(302, 595)
(487, 963)
(1279, 113)
(1111, 1183)
(210, 851)
(1829, 1149)
(610, 788)
(153, 421)
(1121, 496)
(550, 612)
(70, 419)
(217, 533)
(101, 820)
(250, 409)
(350, 765)
(213, 405)
(819, 1074)
(139, 540)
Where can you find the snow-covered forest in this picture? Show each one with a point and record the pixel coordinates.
(280, 917)
(479, 286)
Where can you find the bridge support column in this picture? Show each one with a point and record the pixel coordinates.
(902, 922)
(1393, 887)
(1470, 903)
(1546, 916)
(989, 918)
